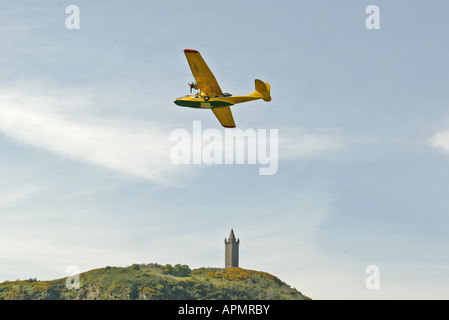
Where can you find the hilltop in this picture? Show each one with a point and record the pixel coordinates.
(156, 282)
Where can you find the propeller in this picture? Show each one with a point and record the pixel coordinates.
(192, 85)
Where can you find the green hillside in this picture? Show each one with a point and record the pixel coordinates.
(156, 282)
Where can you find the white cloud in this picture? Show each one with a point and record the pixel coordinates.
(297, 143)
(16, 195)
(440, 141)
(139, 148)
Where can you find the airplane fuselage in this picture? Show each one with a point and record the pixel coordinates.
(225, 100)
(196, 101)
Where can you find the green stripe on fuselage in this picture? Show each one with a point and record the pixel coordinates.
(202, 104)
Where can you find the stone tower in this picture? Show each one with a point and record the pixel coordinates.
(232, 251)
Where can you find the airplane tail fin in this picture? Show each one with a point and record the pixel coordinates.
(262, 90)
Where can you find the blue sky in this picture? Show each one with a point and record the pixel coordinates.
(86, 117)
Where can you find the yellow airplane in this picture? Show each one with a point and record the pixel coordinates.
(210, 95)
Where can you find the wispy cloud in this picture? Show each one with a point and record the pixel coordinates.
(296, 143)
(139, 148)
(9, 197)
(440, 141)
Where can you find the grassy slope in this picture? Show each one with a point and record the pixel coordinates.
(158, 282)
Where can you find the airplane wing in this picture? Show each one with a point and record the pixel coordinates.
(224, 115)
(205, 79)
